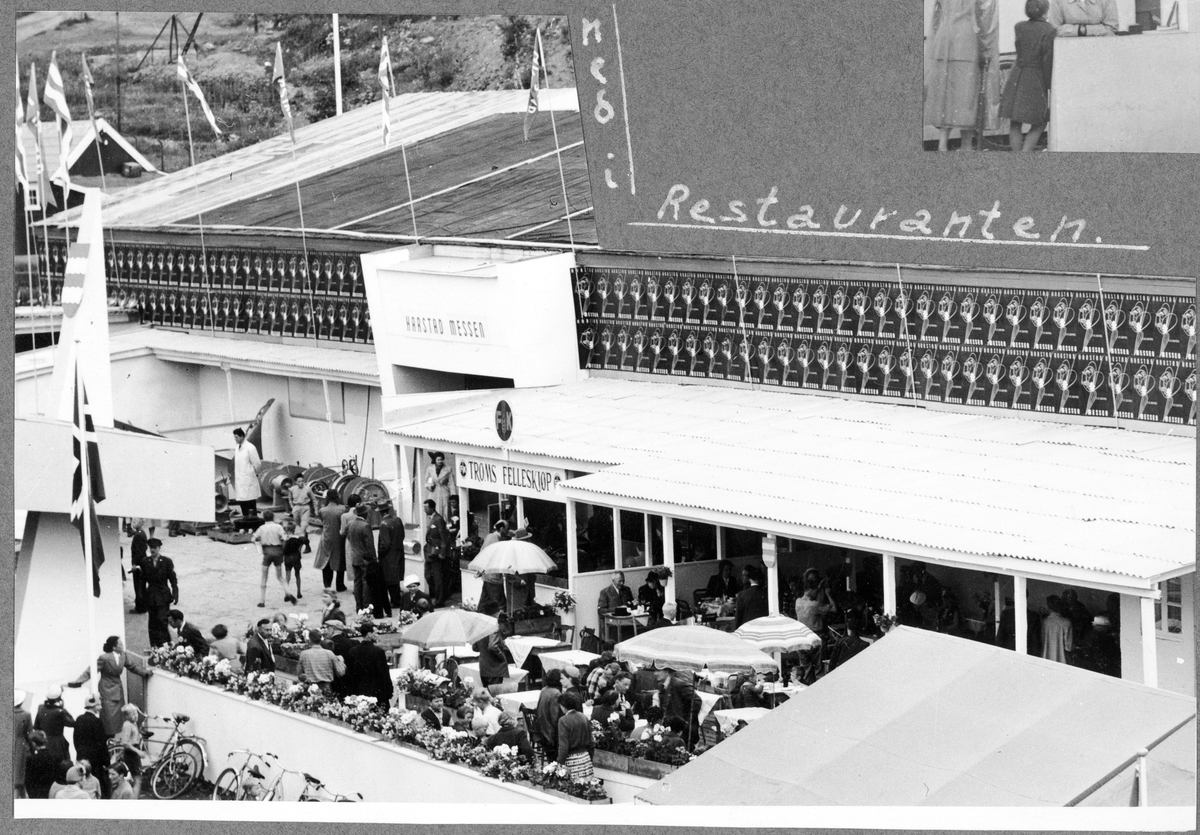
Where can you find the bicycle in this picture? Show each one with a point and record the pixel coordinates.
(248, 782)
(180, 762)
(316, 792)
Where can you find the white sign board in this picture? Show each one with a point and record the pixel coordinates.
(508, 478)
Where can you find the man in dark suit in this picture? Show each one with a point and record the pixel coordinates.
(391, 554)
(367, 670)
(436, 716)
(437, 550)
(679, 701)
(493, 663)
(752, 600)
(615, 595)
(189, 635)
(360, 551)
(414, 600)
(260, 658)
(137, 558)
(162, 592)
(91, 743)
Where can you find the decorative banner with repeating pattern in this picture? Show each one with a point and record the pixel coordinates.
(1065, 352)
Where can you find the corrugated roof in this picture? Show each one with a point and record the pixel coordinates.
(926, 719)
(286, 359)
(1055, 494)
(476, 174)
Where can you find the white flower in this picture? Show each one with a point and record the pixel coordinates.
(658, 737)
(645, 735)
(181, 650)
(223, 667)
(265, 678)
(295, 689)
(210, 660)
(614, 718)
(409, 717)
(300, 617)
(314, 690)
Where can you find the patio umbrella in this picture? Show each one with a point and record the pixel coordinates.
(449, 628)
(512, 556)
(691, 648)
(778, 633)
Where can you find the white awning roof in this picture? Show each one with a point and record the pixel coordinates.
(1106, 505)
(290, 359)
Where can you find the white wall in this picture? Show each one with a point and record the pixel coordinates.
(1138, 93)
(1176, 653)
(52, 642)
(344, 760)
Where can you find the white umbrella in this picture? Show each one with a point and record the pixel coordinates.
(693, 648)
(449, 628)
(512, 556)
(778, 633)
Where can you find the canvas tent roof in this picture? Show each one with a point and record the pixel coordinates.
(922, 718)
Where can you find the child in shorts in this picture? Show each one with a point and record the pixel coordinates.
(294, 544)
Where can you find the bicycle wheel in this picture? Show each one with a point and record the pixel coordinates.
(227, 786)
(174, 775)
(194, 748)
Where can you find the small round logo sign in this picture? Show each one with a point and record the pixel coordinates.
(504, 420)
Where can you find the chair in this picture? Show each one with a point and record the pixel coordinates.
(683, 610)
(535, 733)
(452, 669)
(565, 633)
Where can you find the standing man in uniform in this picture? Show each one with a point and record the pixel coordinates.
(162, 592)
(437, 549)
(246, 489)
(137, 558)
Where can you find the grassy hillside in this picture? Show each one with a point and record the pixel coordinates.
(234, 59)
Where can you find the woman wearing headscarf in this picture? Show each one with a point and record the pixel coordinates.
(110, 665)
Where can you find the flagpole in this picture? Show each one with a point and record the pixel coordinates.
(87, 81)
(387, 94)
(557, 150)
(187, 115)
(85, 500)
(279, 78)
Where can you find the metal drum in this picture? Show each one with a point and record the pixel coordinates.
(272, 474)
(319, 478)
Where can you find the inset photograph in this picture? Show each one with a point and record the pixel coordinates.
(1062, 75)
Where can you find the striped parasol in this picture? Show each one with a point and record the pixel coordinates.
(449, 628)
(778, 633)
(691, 648)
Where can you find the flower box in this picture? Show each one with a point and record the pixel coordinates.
(412, 702)
(605, 801)
(631, 765)
(287, 666)
(544, 626)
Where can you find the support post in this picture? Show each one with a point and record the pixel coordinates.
(669, 554)
(229, 387)
(1020, 615)
(647, 540)
(337, 66)
(618, 546)
(1143, 779)
(889, 585)
(464, 513)
(997, 606)
(720, 543)
(771, 559)
(1149, 646)
(572, 545)
(520, 512)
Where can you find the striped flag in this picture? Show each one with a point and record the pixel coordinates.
(279, 81)
(22, 162)
(55, 98)
(190, 83)
(88, 84)
(33, 118)
(385, 71)
(539, 61)
(85, 493)
(20, 103)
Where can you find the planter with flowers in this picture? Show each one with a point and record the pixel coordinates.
(535, 620)
(652, 755)
(564, 604)
(397, 726)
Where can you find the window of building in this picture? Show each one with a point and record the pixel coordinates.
(595, 532)
(1172, 599)
(306, 399)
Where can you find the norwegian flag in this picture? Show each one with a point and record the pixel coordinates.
(87, 487)
(539, 62)
(21, 162)
(88, 83)
(385, 81)
(33, 118)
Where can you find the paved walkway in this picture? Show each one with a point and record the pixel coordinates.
(218, 583)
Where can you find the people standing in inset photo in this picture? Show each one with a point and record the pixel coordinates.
(962, 72)
(439, 483)
(1083, 18)
(1026, 97)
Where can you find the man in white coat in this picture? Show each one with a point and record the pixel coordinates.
(246, 463)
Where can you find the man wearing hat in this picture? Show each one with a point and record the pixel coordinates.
(367, 670)
(51, 718)
(437, 550)
(91, 743)
(162, 592)
(22, 727)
